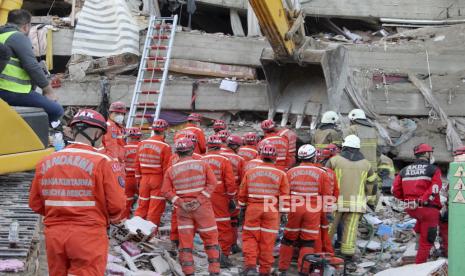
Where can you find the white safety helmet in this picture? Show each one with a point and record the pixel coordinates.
(306, 152)
(351, 141)
(329, 117)
(357, 114)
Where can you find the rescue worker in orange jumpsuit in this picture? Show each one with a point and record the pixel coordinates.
(114, 139)
(193, 125)
(291, 137)
(189, 185)
(261, 194)
(79, 195)
(152, 160)
(222, 197)
(233, 144)
(223, 135)
(249, 150)
(324, 244)
(281, 144)
(130, 152)
(174, 237)
(309, 184)
(219, 125)
(418, 185)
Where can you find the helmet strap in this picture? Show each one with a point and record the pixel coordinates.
(81, 130)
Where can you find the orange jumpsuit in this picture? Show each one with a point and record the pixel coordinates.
(224, 192)
(201, 145)
(114, 142)
(261, 188)
(130, 188)
(174, 221)
(152, 160)
(248, 152)
(325, 244)
(238, 164)
(252, 164)
(308, 184)
(291, 137)
(282, 148)
(185, 181)
(78, 194)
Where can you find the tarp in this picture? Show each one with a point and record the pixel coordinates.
(105, 28)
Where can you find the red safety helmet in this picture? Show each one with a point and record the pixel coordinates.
(223, 135)
(234, 140)
(183, 145)
(459, 151)
(422, 148)
(194, 117)
(251, 138)
(323, 154)
(90, 118)
(214, 141)
(268, 125)
(159, 125)
(219, 125)
(333, 148)
(119, 107)
(268, 151)
(133, 132)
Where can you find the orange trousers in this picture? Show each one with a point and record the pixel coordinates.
(76, 250)
(324, 243)
(130, 189)
(258, 237)
(223, 222)
(303, 227)
(202, 220)
(174, 236)
(151, 202)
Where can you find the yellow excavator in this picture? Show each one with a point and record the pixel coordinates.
(24, 138)
(302, 73)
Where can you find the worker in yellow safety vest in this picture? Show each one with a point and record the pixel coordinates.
(356, 179)
(327, 131)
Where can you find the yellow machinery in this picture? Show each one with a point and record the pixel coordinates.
(20, 146)
(302, 73)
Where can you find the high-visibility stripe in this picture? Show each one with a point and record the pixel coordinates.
(372, 178)
(73, 150)
(260, 196)
(150, 166)
(272, 169)
(143, 198)
(66, 203)
(281, 158)
(130, 169)
(129, 198)
(324, 226)
(205, 193)
(231, 194)
(260, 229)
(302, 230)
(206, 229)
(242, 203)
(304, 194)
(155, 142)
(180, 227)
(413, 178)
(173, 200)
(157, 197)
(189, 191)
(223, 219)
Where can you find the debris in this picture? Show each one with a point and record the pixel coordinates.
(372, 219)
(138, 225)
(193, 67)
(371, 245)
(229, 85)
(436, 268)
(12, 265)
(160, 265)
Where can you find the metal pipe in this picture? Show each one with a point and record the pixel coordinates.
(423, 22)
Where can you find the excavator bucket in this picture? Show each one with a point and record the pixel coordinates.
(304, 88)
(20, 146)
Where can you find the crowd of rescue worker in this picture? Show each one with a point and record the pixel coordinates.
(221, 187)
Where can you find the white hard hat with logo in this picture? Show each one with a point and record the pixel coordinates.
(306, 152)
(329, 117)
(357, 114)
(351, 141)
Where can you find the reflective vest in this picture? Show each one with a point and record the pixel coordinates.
(14, 78)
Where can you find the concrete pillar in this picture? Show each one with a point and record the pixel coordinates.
(456, 218)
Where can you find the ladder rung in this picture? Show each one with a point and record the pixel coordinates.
(157, 58)
(152, 80)
(149, 92)
(154, 69)
(164, 26)
(161, 37)
(143, 115)
(146, 104)
(158, 47)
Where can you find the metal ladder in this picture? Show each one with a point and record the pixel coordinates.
(153, 72)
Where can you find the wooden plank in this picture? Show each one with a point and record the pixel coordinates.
(193, 67)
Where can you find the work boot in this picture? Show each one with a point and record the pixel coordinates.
(281, 273)
(235, 249)
(250, 271)
(224, 261)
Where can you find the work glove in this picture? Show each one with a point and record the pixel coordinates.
(232, 205)
(194, 205)
(329, 217)
(283, 218)
(241, 217)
